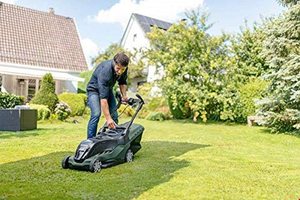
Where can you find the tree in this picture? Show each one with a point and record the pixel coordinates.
(246, 48)
(282, 52)
(108, 54)
(138, 64)
(199, 76)
(288, 2)
(46, 94)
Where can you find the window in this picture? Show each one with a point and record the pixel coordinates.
(134, 37)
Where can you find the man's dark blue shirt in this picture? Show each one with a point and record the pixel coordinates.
(104, 78)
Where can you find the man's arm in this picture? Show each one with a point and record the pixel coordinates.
(105, 109)
(123, 89)
(103, 78)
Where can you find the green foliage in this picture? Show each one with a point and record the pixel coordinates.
(246, 48)
(126, 110)
(84, 97)
(156, 102)
(108, 54)
(180, 110)
(10, 100)
(53, 118)
(42, 110)
(282, 51)
(137, 64)
(145, 90)
(46, 94)
(62, 110)
(287, 120)
(253, 90)
(200, 77)
(86, 75)
(156, 116)
(157, 105)
(77, 102)
(153, 104)
(288, 2)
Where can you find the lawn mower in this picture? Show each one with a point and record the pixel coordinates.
(110, 146)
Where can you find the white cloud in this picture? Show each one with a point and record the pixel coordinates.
(161, 9)
(90, 49)
(9, 1)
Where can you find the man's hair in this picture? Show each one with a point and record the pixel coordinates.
(121, 59)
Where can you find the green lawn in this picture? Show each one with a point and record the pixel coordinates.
(178, 160)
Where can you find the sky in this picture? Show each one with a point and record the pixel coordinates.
(102, 22)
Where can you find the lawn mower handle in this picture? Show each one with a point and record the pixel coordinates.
(131, 102)
(140, 98)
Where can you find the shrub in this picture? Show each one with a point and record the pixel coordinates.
(155, 104)
(77, 102)
(286, 121)
(145, 90)
(84, 97)
(9, 100)
(87, 111)
(249, 92)
(62, 110)
(46, 94)
(43, 111)
(179, 110)
(156, 116)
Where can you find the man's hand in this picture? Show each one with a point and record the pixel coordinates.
(111, 124)
(124, 100)
(109, 121)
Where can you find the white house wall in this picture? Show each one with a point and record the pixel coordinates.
(135, 37)
(70, 86)
(65, 81)
(135, 82)
(33, 71)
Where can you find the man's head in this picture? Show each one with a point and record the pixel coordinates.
(121, 62)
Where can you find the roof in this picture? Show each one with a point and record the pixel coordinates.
(37, 38)
(147, 22)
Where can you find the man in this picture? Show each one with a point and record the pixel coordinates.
(100, 91)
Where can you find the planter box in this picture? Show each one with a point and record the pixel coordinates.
(18, 119)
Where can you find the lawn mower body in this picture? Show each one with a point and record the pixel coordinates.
(110, 146)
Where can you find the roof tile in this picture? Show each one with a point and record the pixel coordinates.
(147, 22)
(39, 38)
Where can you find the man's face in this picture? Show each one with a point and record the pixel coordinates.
(119, 69)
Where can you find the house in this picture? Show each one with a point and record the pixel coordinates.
(135, 37)
(33, 43)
